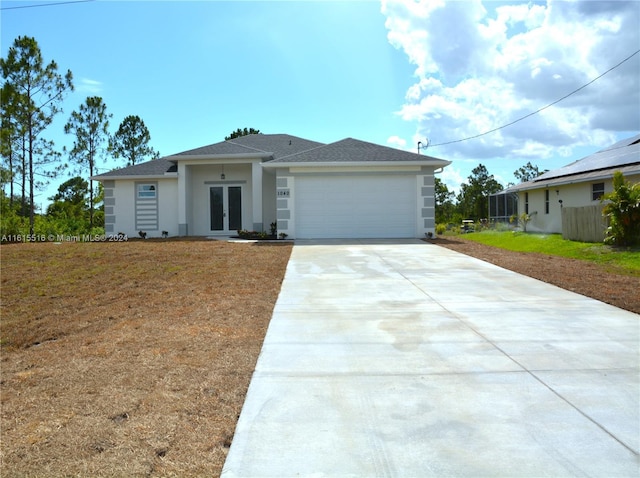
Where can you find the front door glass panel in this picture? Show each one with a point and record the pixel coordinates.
(235, 208)
(217, 208)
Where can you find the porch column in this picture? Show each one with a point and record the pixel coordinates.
(256, 194)
(183, 229)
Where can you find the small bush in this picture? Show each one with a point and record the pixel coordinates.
(501, 226)
(244, 234)
(441, 229)
(523, 219)
(623, 211)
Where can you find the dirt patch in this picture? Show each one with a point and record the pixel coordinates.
(130, 359)
(586, 278)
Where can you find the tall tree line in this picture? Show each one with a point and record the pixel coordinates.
(32, 93)
(472, 202)
(31, 96)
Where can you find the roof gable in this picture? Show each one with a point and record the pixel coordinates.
(280, 149)
(351, 150)
(273, 146)
(269, 145)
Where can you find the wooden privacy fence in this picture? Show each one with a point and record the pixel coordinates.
(586, 224)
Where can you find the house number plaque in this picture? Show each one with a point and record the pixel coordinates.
(283, 193)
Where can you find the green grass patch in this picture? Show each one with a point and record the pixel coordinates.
(626, 260)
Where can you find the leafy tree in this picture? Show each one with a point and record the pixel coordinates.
(32, 93)
(69, 211)
(90, 127)
(241, 132)
(528, 172)
(444, 202)
(70, 217)
(473, 200)
(98, 213)
(74, 190)
(131, 141)
(5, 177)
(623, 210)
(7, 139)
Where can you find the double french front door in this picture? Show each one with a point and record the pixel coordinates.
(226, 208)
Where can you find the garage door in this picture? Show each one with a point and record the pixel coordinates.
(355, 207)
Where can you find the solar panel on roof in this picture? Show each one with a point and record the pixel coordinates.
(620, 154)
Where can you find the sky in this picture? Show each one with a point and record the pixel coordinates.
(393, 73)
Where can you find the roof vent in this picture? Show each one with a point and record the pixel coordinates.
(289, 142)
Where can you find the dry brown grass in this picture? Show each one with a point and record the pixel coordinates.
(129, 359)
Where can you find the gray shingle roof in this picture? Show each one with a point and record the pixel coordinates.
(353, 150)
(272, 145)
(279, 149)
(155, 167)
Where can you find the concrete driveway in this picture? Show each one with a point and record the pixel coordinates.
(402, 358)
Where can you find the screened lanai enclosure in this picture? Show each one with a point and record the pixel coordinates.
(502, 206)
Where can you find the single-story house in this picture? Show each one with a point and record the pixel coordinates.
(578, 184)
(346, 189)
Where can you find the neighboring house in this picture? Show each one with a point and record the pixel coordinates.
(581, 183)
(346, 189)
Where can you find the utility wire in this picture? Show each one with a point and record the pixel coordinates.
(541, 109)
(45, 4)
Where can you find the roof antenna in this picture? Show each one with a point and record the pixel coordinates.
(423, 147)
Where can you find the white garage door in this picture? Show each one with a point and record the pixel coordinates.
(355, 207)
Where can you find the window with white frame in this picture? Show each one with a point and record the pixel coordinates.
(146, 191)
(597, 191)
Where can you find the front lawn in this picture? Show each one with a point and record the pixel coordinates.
(625, 260)
(130, 359)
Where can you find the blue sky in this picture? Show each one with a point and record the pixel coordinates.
(390, 72)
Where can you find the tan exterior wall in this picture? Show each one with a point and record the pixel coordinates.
(571, 195)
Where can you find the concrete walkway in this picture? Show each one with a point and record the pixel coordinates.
(405, 359)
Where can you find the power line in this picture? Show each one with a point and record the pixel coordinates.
(541, 109)
(46, 4)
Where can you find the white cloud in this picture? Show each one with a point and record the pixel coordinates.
(397, 142)
(87, 85)
(480, 66)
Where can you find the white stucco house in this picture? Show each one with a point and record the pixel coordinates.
(346, 189)
(578, 184)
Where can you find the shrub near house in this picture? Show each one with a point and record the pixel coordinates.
(622, 208)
